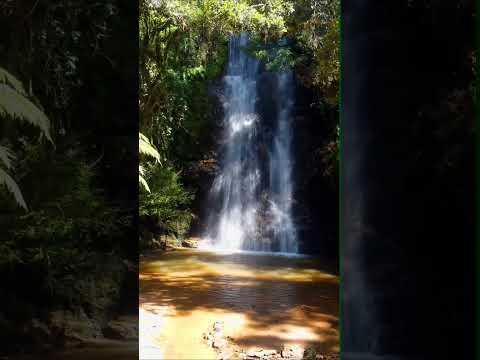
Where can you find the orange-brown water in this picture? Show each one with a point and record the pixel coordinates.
(265, 301)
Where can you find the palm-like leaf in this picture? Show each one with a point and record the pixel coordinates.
(15, 104)
(7, 78)
(12, 186)
(6, 156)
(145, 147)
(141, 178)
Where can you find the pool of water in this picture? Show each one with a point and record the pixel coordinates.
(265, 301)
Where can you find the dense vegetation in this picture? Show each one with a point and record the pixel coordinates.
(183, 51)
(67, 172)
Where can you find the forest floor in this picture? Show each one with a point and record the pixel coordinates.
(200, 305)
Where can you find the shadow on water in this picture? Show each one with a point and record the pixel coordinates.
(270, 300)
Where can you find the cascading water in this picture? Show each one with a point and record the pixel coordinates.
(281, 168)
(253, 189)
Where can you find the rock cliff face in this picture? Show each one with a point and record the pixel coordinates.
(316, 191)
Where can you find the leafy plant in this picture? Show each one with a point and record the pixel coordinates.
(168, 202)
(15, 104)
(145, 148)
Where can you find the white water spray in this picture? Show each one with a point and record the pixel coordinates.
(253, 192)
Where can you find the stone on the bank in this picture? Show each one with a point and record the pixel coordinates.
(256, 354)
(225, 355)
(292, 352)
(73, 326)
(120, 330)
(218, 328)
(219, 343)
(269, 352)
(190, 243)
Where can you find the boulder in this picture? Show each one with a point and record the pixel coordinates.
(191, 243)
(76, 327)
(120, 330)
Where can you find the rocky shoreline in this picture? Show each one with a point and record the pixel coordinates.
(66, 330)
(226, 349)
(98, 311)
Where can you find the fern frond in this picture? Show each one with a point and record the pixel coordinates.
(141, 179)
(145, 147)
(12, 186)
(16, 105)
(6, 156)
(7, 78)
(143, 182)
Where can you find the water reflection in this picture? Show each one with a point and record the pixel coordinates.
(264, 300)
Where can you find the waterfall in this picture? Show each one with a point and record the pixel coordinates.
(281, 167)
(251, 196)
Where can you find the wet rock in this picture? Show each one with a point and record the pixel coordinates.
(292, 352)
(269, 352)
(218, 326)
(252, 353)
(256, 354)
(226, 355)
(190, 243)
(216, 339)
(75, 327)
(120, 330)
(310, 354)
(219, 343)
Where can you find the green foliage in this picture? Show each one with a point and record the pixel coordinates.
(276, 58)
(168, 203)
(62, 240)
(330, 155)
(145, 148)
(70, 209)
(61, 42)
(67, 58)
(15, 104)
(184, 47)
(317, 30)
(67, 276)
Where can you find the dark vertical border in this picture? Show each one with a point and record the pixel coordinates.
(477, 182)
(340, 185)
